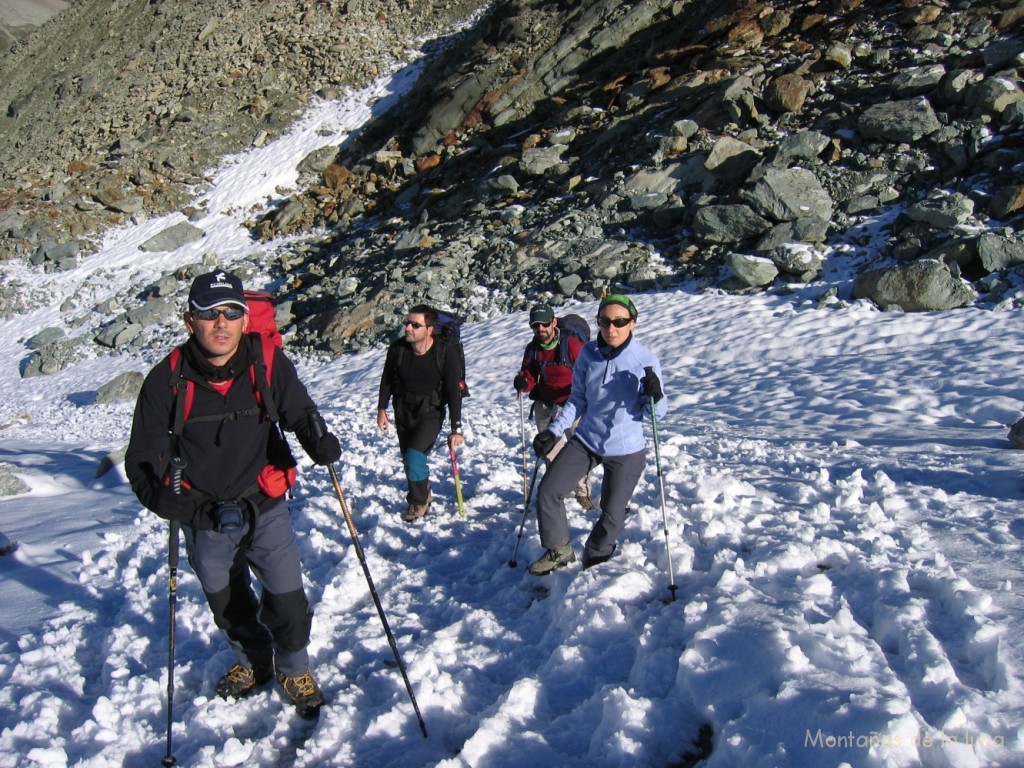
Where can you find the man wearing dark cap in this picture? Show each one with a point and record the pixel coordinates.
(546, 374)
(205, 404)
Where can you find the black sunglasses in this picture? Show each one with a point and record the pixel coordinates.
(414, 326)
(535, 326)
(618, 322)
(230, 313)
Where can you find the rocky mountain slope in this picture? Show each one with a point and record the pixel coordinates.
(551, 148)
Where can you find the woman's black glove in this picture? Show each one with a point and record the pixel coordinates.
(544, 442)
(650, 385)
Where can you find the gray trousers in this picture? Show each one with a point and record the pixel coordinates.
(621, 474)
(543, 413)
(274, 627)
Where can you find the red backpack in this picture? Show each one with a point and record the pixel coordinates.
(264, 339)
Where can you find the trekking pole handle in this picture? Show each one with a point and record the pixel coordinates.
(177, 469)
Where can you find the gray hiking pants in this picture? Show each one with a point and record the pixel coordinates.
(275, 627)
(544, 413)
(575, 460)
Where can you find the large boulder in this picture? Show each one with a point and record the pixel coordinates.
(922, 286)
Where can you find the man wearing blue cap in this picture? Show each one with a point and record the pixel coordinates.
(204, 404)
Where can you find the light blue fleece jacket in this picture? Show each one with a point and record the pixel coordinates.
(606, 396)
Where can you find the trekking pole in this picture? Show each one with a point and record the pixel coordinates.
(458, 482)
(522, 434)
(317, 426)
(661, 483)
(177, 468)
(526, 510)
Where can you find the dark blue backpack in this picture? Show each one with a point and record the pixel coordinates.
(571, 325)
(448, 331)
(568, 325)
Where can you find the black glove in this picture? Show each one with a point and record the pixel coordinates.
(323, 447)
(326, 450)
(520, 382)
(544, 442)
(170, 506)
(650, 385)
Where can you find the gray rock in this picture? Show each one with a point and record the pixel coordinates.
(906, 120)
(569, 284)
(995, 94)
(791, 193)
(11, 485)
(916, 81)
(674, 177)
(44, 337)
(797, 259)
(110, 461)
(804, 230)
(922, 286)
(754, 271)
(943, 211)
(728, 223)
(51, 358)
(540, 160)
(173, 238)
(117, 334)
(997, 253)
(1016, 434)
(730, 160)
(124, 386)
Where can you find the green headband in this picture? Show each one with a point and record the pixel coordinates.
(622, 300)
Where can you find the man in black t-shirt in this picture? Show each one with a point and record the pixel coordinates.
(421, 379)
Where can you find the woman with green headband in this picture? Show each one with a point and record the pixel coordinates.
(615, 382)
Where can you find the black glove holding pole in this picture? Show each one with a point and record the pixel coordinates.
(323, 447)
(544, 442)
(650, 385)
(520, 382)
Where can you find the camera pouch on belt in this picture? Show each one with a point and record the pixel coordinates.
(228, 517)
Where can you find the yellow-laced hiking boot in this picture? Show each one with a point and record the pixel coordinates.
(304, 693)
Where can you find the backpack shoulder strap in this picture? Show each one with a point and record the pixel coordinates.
(263, 350)
(182, 405)
(564, 334)
(532, 350)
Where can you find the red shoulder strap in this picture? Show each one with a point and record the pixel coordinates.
(183, 405)
(265, 352)
(265, 359)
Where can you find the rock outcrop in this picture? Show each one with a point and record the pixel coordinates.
(554, 149)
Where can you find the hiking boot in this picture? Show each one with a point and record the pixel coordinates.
(552, 560)
(584, 500)
(589, 560)
(416, 511)
(240, 681)
(304, 693)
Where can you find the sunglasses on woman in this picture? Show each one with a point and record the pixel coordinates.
(230, 313)
(618, 322)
